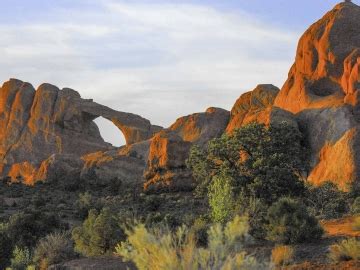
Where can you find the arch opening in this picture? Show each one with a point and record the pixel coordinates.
(110, 132)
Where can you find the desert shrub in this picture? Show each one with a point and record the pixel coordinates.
(282, 255)
(163, 250)
(21, 259)
(25, 228)
(199, 229)
(98, 234)
(153, 202)
(256, 210)
(265, 163)
(346, 250)
(355, 206)
(327, 201)
(290, 222)
(54, 248)
(84, 203)
(356, 224)
(221, 198)
(5, 249)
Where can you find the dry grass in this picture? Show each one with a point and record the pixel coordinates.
(356, 224)
(282, 255)
(346, 250)
(163, 250)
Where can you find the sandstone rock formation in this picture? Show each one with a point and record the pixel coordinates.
(326, 69)
(255, 105)
(49, 134)
(38, 124)
(169, 149)
(323, 89)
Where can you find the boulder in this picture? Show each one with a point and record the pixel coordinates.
(199, 128)
(253, 106)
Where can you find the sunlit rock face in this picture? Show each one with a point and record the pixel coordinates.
(326, 68)
(323, 91)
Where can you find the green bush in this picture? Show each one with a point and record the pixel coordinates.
(98, 234)
(54, 248)
(21, 259)
(221, 199)
(327, 201)
(256, 210)
(163, 250)
(84, 203)
(290, 222)
(355, 206)
(346, 250)
(25, 228)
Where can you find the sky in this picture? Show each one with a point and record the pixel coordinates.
(159, 59)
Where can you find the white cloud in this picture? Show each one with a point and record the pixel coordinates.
(157, 60)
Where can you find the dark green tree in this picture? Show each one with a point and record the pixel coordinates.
(265, 163)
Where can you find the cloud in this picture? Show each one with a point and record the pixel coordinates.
(157, 60)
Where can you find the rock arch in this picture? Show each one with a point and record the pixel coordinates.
(134, 127)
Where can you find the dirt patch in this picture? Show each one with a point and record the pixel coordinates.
(340, 227)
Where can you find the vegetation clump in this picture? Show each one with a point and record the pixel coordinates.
(346, 250)
(290, 223)
(54, 248)
(164, 250)
(98, 234)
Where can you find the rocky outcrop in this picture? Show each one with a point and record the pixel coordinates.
(323, 89)
(253, 106)
(39, 124)
(166, 169)
(169, 149)
(326, 69)
(199, 128)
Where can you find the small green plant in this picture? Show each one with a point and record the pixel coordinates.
(282, 255)
(164, 250)
(346, 250)
(54, 248)
(221, 199)
(290, 222)
(21, 258)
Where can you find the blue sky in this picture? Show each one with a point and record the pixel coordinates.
(160, 59)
